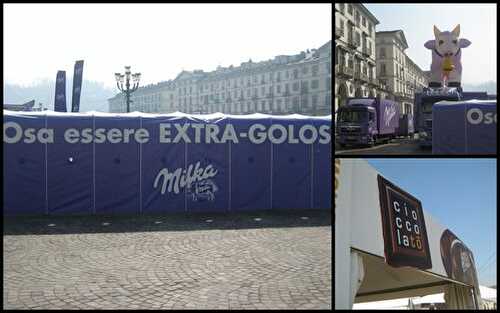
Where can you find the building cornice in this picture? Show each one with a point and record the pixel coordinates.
(367, 12)
(399, 34)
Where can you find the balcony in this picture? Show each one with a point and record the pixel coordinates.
(373, 81)
(399, 95)
(353, 43)
(344, 71)
(364, 78)
(366, 52)
(339, 32)
(357, 75)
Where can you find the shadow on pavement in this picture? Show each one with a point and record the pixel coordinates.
(47, 225)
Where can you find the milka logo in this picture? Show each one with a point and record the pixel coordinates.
(181, 178)
(389, 113)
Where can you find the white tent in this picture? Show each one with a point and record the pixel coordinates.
(487, 295)
(387, 247)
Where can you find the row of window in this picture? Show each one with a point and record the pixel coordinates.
(259, 105)
(279, 105)
(364, 44)
(255, 79)
(303, 87)
(147, 98)
(357, 17)
(279, 88)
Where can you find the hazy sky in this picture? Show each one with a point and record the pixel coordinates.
(478, 23)
(158, 40)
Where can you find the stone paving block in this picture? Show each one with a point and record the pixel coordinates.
(177, 265)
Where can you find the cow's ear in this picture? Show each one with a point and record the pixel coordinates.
(464, 43)
(456, 31)
(436, 31)
(431, 44)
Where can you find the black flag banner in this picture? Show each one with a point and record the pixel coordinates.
(60, 96)
(77, 86)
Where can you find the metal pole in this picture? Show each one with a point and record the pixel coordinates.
(128, 94)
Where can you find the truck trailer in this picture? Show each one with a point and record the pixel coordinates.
(367, 121)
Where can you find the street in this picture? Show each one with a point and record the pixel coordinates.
(398, 146)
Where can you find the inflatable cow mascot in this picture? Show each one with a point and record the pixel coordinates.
(446, 54)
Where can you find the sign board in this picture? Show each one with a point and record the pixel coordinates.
(457, 259)
(403, 225)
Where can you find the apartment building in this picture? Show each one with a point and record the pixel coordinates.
(396, 71)
(355, 57)
(286, 84)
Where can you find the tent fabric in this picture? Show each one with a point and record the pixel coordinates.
(357, 273)
(464, 127)
(195, 163)
(487, 295)
(458, 297)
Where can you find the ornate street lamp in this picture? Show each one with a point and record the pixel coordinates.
(121, 78)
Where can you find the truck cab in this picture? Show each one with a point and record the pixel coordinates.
(356, 124)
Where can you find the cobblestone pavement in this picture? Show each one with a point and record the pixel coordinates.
(231, 262)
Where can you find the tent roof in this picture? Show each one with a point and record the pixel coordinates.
(383, 282)
(402, 303)
(488, 293)
(177, 114)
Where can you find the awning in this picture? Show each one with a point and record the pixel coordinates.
(387, 246)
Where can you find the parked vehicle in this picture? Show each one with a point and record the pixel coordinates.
(366, 121)
(406, 127)
(423, 107)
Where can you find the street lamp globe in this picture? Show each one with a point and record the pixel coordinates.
(136, 77)
(121, 78)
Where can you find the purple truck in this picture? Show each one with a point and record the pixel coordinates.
(366, 121)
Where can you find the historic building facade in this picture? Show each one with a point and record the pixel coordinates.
(286, 84)
(401, 76)
(355, 46)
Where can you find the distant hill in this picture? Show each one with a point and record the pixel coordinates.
(490, 87)
(94, 94)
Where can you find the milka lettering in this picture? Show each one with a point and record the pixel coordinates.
(180, 178)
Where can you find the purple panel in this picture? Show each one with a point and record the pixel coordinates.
(69, 168)
(23, 168)
(117, 173)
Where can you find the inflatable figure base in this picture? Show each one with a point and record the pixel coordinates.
(439, 85)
